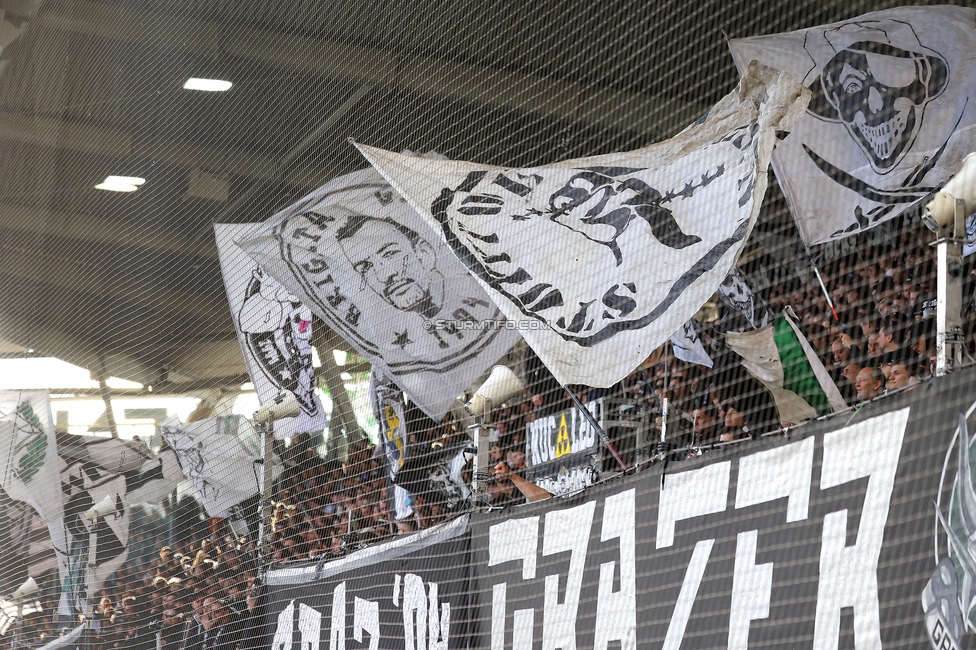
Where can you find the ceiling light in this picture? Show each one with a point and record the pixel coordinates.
(208, 85)
(345, 376)
(121, 183)
(340, 356)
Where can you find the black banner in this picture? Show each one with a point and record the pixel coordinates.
(412, 593)
(828, 538)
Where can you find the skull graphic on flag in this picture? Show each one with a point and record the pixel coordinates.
(890, 117)
(878, 90)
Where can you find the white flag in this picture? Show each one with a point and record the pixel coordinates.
(687, 345)
(892, 115)
(274, 329)
(29, 452)
(218, 456)
(156, 478)
(368, 265)
(599, 260)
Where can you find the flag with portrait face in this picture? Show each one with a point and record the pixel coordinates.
(892, 115)
(274, 328)
(370, 267)
(608, 255)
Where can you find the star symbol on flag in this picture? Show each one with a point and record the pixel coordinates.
(402, 339)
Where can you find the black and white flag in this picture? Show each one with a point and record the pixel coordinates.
(599, 260)
(892, 115)
(274, 328)
(687, 345)
(91, 469)
(368, 265)
(83, 484)
(737, 296)
(218, 456)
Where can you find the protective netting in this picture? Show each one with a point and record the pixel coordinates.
(181, 331)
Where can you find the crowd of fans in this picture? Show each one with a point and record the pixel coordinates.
(875, 335)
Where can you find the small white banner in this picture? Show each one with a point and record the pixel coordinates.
(218, 456)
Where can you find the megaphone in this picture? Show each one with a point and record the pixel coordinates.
(29, 588)
(284, 406)
(940, 211)
(100, 510)
(501, 385)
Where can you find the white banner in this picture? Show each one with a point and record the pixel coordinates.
(274, 329)
(218, 456)
(892, 114)
(369, 266)
(599, 260)
(29, 452)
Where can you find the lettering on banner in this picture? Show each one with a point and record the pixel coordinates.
(848, 576)
(517, 540)
(300, 626)
(566, 433)
(426, 621)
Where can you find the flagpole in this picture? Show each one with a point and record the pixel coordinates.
(603, 435)
(267, 510)
(816, 271)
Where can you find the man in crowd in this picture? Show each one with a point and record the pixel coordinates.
(869, 383)
(902, 374)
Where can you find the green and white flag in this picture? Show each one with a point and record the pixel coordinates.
(28, 452)
(781, 358)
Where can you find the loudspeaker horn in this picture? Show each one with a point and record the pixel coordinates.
(284, 406)
(102, 509)
(501, 385)
(29, 588)
(940, 211)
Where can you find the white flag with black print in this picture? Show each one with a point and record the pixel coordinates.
(601, 259)
(373, 270)
(29, 451)
(91, 469)
(274, 328)
(687, 345)
(892, 115)
(84, 484)
(149, 477)
(219, 457)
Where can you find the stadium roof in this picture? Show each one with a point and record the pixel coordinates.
(128, 284)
